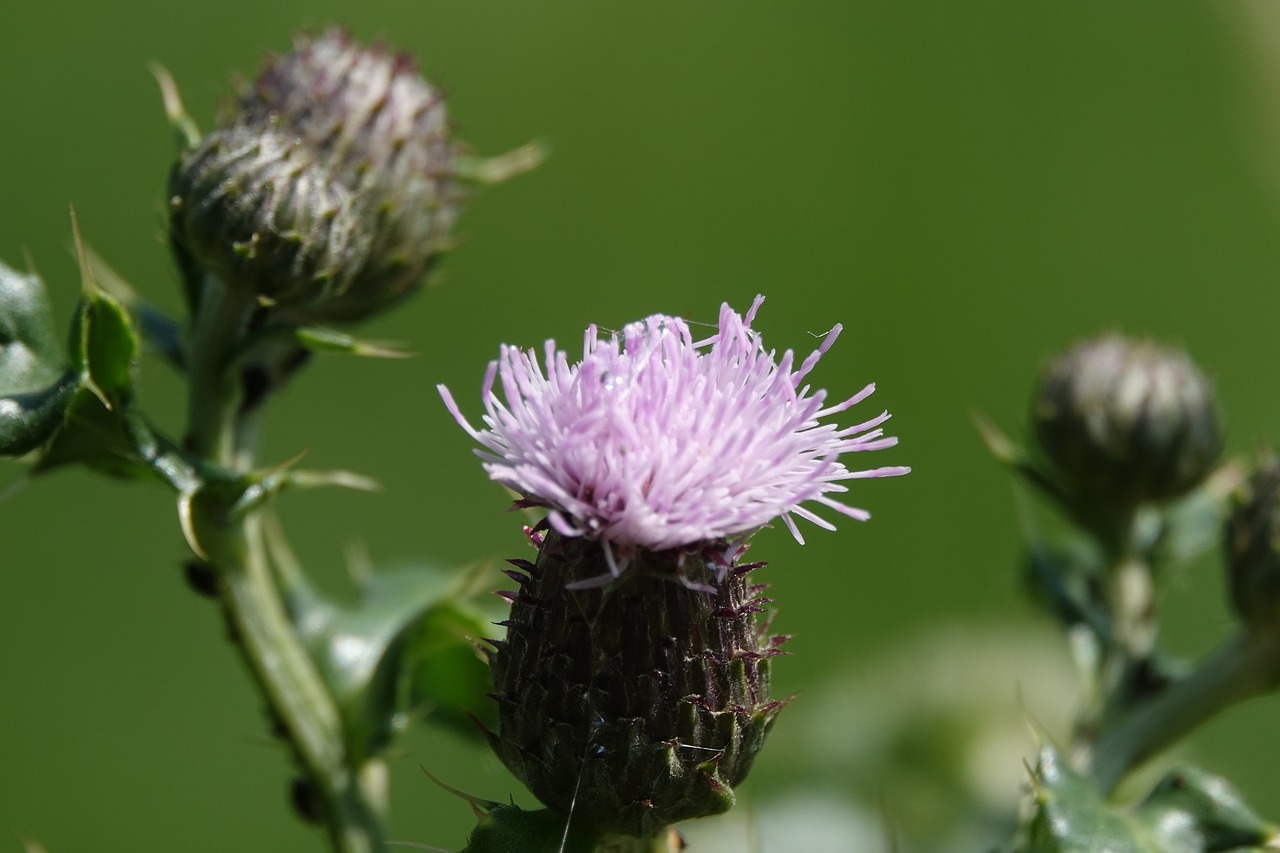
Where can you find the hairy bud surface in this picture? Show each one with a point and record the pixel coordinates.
(1127, 421)
(331, 191)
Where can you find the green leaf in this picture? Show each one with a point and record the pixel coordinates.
(1190, 811)
(160, 332)
(1059, 576)
(320, 339)
(441, 676)
(1072, 817)
(1193, 524)
(105, 346)
(404, 650)
(34, 387)
(1018, 459)
(113, 441)
(503, 167)
(30, 355)
(28, 419)
(258, 488)
(511, 829)
(101, 427)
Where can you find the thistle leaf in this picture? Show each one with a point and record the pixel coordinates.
(101, 426)
(511, 829)
(320, 339)
(34, 387)
(1188, 811)
(1072, 817)
(404, 650)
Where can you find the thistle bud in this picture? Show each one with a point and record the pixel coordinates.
(1127, 421)
(260, 210)
(1253, 536)
(638, 704)
(330, 192)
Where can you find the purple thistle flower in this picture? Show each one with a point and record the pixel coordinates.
(657, 441)
(643, 704)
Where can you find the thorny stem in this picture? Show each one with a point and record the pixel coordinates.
(352, 800)
(1128, 598)
(1245, 667)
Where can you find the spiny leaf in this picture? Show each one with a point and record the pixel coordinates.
(1193, 525)
(1072, 817)
(260, 487)
(321, 339)
(402, 651)
(160, 332)
(34, 387)
(183, 124)
(511, 829)
(101, 427)
(502, 167)
(1015, 456)
(1190, 811)
(115, 442)
(30, 355)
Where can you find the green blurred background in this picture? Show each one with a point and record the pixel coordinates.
(966, 186)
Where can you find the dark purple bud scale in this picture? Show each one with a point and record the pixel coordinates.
(646, 698)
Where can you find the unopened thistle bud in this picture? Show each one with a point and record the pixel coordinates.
(633, 684)
(1127, 421)
(263, 212)
(331, 191)
(1252, 540)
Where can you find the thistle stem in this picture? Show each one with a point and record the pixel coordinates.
(1128, 598)
(211, 404)
(351, 803)
(1133, 609)
(1244, 667)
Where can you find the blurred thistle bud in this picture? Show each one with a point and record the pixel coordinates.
(1252, 540)
(330, 192)
(633, 683)
(1127, 421)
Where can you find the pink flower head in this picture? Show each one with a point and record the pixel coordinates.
(654, 440)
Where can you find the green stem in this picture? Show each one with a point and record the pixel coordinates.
(211, 405)
(351, 800)
(1132, 597)
(1245, 667)
(1128, 599)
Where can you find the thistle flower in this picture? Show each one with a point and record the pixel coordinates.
(656, 441)
(633, 683)
(332, 189)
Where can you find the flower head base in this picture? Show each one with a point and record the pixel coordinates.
(656, 441)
